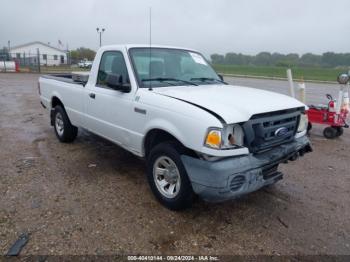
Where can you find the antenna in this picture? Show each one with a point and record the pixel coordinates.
(150, 26)
(150, 47)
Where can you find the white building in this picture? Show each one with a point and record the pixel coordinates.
(48, 55)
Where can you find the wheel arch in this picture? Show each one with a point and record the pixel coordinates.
(157, 136)
(55, 101)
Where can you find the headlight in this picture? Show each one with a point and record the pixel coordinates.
(303, 123)
(231, 136)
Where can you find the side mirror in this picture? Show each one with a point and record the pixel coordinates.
(125, 88)
(115, 82)
(221, 77)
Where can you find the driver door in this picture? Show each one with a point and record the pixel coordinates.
(107, 109)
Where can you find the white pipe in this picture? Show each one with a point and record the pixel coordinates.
(290, 80)
(8, 66)
(340, 99)
(346, 101)
(301, 90)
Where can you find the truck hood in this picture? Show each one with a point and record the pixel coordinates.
(233, 104)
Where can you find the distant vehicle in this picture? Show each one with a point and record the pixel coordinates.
(85, 64)
(197, 133)
(334, 114)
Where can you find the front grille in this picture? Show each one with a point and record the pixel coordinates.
(236, 183)
(269, 172)
(260, 130)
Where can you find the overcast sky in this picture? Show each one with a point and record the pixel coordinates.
(211, 26)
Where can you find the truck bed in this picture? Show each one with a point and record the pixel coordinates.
(72, 78)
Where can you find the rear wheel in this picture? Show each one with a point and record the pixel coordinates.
(168, 178)
(330, 132)
(64, 130)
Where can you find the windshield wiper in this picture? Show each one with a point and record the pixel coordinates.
(203, 79)
(164, 79)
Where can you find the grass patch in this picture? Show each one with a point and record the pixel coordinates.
(318, 74)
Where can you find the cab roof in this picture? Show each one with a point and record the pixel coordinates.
(129, 46)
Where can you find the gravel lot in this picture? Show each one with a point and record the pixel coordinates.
(91, 197)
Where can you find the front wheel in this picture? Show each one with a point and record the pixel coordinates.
(168, 178)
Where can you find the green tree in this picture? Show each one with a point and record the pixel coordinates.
(293, 58)
(289, 60)
(276, 58)
(310, 59)
(217, 59)
(231, 59)
(244, 59)
(263, 58)
(82, 53)
(329, 59)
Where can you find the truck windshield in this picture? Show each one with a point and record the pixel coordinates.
(159, 67)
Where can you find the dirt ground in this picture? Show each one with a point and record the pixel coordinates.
(91, 197)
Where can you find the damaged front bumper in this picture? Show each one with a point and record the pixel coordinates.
(233, 177)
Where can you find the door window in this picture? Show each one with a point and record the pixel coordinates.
(112, 62)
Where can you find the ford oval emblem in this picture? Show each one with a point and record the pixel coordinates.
(281, 131)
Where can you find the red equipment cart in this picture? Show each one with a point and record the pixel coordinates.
(334, 114)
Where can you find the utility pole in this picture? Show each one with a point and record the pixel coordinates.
(8, 50)
(100, 32)
(38, 58)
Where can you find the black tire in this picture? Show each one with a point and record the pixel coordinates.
(184, 197)
(330, 132)
(69, 132)
(340, 130)
(309, 127)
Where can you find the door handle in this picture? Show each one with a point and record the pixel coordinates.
(92, 95)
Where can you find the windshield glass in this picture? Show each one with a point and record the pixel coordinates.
(159, 67)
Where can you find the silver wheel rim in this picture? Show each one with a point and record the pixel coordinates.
(59, 124)
(166, 176)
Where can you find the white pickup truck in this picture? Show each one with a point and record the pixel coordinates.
(85, 64)
(198, 134)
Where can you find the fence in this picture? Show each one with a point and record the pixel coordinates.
(37, 62)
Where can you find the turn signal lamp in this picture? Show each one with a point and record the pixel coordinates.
(213, 139)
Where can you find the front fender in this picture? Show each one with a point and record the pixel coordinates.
(166, 126)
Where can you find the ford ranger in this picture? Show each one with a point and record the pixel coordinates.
(198, 134)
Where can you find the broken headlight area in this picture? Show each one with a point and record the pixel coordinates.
(229, 137)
